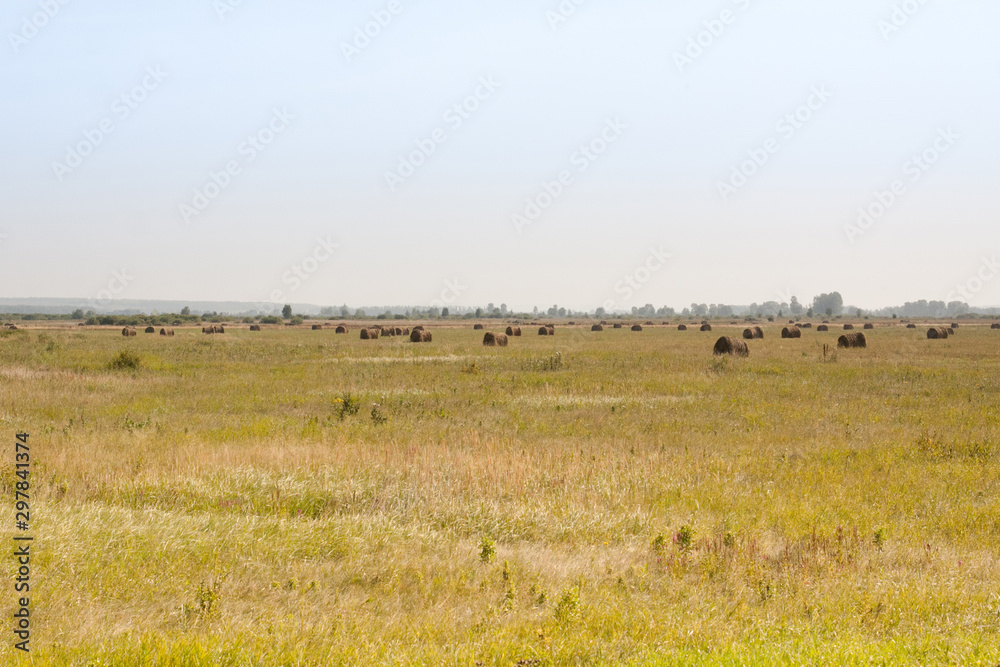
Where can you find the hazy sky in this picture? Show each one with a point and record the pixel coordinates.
(711, 151)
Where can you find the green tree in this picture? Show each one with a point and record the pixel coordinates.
(185, 311)
(831, 304)
(286, 312)
(77, 314)
(444, 312)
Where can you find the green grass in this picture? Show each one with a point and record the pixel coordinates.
(296, 497)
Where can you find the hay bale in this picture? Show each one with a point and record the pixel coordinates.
(911, 326)
(254, 327)
(419, 327)
(807, 325)
(954, 325)
(342, 329)
(617, 325)
(729, 345)
(791, 332)
(166, 332)
(420, 336)
(125, 331)
(855, 339)
(706, 327)
(758, 333)
(650, 324)
(494, 340)
(597, 327)
(478, 327)
(370, 334)
(513, 331)
(869, 325)
(543, 331)
(951, 332)
(996, 325)
(604, 322)
(406, 332)
(317, 327)
(748, 334)
(636, 327)
(151, 330)
(822, 327)
(937, 333)
(682, 327)
(848, 327)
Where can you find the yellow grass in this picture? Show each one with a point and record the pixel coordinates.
(297, 497)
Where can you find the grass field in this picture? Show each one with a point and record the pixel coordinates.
(294, 497)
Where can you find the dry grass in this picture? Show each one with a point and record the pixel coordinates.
(287, 499)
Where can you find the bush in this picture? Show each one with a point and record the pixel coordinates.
(125, 360)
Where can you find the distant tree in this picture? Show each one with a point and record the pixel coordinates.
(327, 312)
(77, 314)
(503, 308)
(795, 307)
(831, 304)
(479, 312)
(286, 311)
(296, 320)
(185, 311)
(810, 313)
(345, 311)
(600, 312)
(444, 312)
(434, 312)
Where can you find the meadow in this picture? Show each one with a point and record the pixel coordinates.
(296, 497)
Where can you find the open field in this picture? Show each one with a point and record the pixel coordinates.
(298, 497)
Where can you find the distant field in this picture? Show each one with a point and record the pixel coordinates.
(297, 497)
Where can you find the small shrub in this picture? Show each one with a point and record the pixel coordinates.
(377, 417)
(125, 360)
(568, 607)
(347, 406)
(487, 550)
(684, 537)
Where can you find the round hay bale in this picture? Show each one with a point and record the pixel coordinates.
(822, 327)
(125, 331)
(848, 327)
(682, 327)
(729, 345)
(826, 321)
(419, 327)
(317, 327)
(597, 327)
(807, 325)
(543, 331)
(420, 336)
(494, 340)
(869, 326)
(478, 327)
(951, 332)
(937, 333)
(151, 330)
(254, 327)
(954, 325)
(406, 332)
(758, 333)
(911, 326)
(513, 331)
(341, 329)
(855, 339)
(706, 327)
(666, 324)
(995, 325)
(650, 324)
(166, 332)
(370, 334)
(636, 327)
(791, 332)
(748, 334)
(604, 322)
(617, 325)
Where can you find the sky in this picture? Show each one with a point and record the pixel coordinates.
(578, 153)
